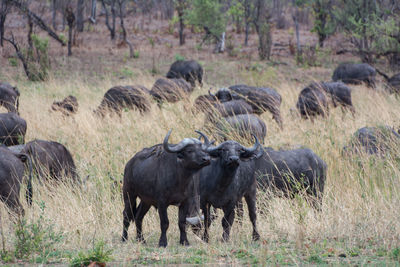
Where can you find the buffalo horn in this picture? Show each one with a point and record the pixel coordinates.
(254, 148)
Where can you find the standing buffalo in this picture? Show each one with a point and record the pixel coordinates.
(9, 97)
(245, 125)
(373, 140)
(290, 171)
(190, 70)
(67, 107)
(12, 129)
(161, 176)
(312, 101)
(120, 97)
(51, 160)
(228, 179)
(260, 98)
(170, 90)
(353, 73)
(338, 92)
(11, 176)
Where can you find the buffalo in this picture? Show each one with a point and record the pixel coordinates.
(355, 73)
(260, 98)
(51, 160)
(11, 176)
(68, 106)
(373, 140)
(244, 125)
(288, 171)
(394, 83)
(339, 94)
(119, 97)
(9, 97)
(12, 129)
(205, 103)
(312, 101)
(229, 178)
(190, 70)
(161, 176)
(170, 90)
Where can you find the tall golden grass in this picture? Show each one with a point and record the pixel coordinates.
(361, 196)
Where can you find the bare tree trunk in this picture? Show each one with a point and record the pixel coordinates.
(4, 8)
(247, 11)
(110, 28)
(79, 16)
(20, 55)
(296, 24)
(124, 37)
(180, 11)
(30, 42)
(263, 29)
(54, 14)
(70, 19)
(93, 12)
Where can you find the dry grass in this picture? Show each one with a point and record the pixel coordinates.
(360, 207)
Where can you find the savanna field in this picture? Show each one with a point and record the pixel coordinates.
(359, 223)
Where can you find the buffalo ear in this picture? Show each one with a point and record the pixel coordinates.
(245, 156)
(179, 155)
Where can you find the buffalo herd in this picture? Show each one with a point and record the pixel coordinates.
(196, 175)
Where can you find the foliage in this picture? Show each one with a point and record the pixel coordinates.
(38, 60)
(208, 14)
(36, 238)
(324, 23)
(100, 253)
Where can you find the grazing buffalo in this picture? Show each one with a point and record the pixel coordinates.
(11, 176)
(339, 94)
(9, 97)
(353, 73)
(205, 103)
(67, 107)
(373, 140)
(260, 98)
(12, 129)
(229, 178)
(190, 70)
(289, 171)
(244, 125)
(234, 107)
(161, 176)
(312, 101)
(120, 97)
(51, 160)
(170, 90)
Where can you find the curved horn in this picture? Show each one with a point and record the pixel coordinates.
(177, 147)
(209, 92)
(166, 146)
(211, 149)
(206, 140)
(254, 148)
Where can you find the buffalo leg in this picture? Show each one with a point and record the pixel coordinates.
(143, 208)
(227, 221)
(207, 221)
(164, 224)
(251, 205)
(239, 210)
(128, 215)
(183, 209)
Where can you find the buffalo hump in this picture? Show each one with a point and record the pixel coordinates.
(190, 70)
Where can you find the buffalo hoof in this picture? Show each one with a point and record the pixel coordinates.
(256, 236)
(124, 238)
(205, 239)
(163, 243)
(184, 242)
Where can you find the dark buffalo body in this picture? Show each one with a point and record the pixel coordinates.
(51, 160)
(11, 176)
(205, 103)
(260, 98)
(170, 90)
(373, 140)
(245, 125)
(289, 171)
(338, 92)
(9, 97)
(234, 107)
(355, 73)
(120, 97)
(190, 70)
(394, 83)
(228, 179)
(312, 101)
(12, 129)
(161, 176)
(68, 106)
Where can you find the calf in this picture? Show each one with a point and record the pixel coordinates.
(161, 176)
(229, 178)
(12, 129)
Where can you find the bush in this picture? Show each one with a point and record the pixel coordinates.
(98, 254)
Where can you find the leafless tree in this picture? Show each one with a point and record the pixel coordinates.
(111, 27)
(263, 27)
(92, 17)
(79, 16)
(124, 35)
(71, 20)
(181, 6)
